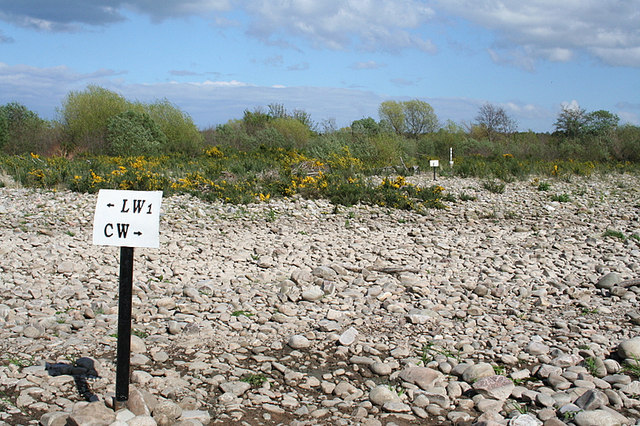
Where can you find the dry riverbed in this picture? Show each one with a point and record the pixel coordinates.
(507, 309)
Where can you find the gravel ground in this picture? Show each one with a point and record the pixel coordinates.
(506, 309)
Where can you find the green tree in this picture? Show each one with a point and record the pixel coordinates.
(571, 121)
(133, 133)
(419, 117)
(392, 113)
(495, 120)
(365, 126)
(84, 116)
(182, 135)
(21, 130)
(601, 122)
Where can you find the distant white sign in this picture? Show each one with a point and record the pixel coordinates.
(127, 218)
(434, 163)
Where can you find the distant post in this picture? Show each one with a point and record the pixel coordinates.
(126, 219)
(434, 165)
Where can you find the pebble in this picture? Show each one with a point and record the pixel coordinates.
(397, 318)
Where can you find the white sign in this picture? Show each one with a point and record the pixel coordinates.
(127, 218)
(434, 163)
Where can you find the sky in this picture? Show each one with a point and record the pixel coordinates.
(337, 60)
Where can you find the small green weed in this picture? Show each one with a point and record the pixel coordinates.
(590, 365)
(587, 311)
(493, 186)
(255, 380)
(615, 234)
(140, 334)
(561, 198)
(241, 313)
(632, 367)
(499, 370)
(466, 197)
(544, 186)
(515, 405)
(271, 215)
(568, 416)
(635, 237)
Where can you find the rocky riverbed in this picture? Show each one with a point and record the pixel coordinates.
(504, 309)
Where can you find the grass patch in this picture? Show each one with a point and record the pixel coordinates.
(466, 197)
(614, 234)
(495, 187)
(544, 186)
(561, 198)
(241, 313)
(255, 380)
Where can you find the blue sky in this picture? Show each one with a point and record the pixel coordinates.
(338, 60)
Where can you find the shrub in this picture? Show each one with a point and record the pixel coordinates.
(85, 115)
(494, 187)
(22, 131)
(294, 132)
(134, 133)
(182, 136)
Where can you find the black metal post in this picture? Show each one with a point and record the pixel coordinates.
(434, 173)
(124, 327)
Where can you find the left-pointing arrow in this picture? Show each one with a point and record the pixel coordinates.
(110, 205)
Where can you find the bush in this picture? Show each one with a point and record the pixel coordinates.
(182, 136)
(294, 132)
(84, 116)
(22, 131)
(134, 133)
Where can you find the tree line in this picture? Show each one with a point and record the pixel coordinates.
(99, 121)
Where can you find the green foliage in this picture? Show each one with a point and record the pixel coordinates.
(295, 133)
(365, 126)
(182, 135)
(21, 130)
(544, 186)
(561, 198)
(495, 187)
(134, 133)
(414, 117)
(392, 113)
(255, 380)
(419, 118)
(571, 121)
(614, 234)
(85, 115)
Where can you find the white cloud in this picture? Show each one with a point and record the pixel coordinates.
(556, 31)
(367, 65)
(335, 24)
(212, 102)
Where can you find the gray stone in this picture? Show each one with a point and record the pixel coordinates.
(600, 418)
(237, 388)
(55, 418)
(629, 348)
(524, 420)
(421, 376)
(142, 421)
(381, 368)
(382, 394)
(312, 294)
(348, 337)
(478, 371)
(609, 280)
(298, 341)
(496, 387)
(92, 414)
(168, 408)
(592, 400)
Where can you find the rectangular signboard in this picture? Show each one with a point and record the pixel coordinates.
(434, 163)
(127, 218)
